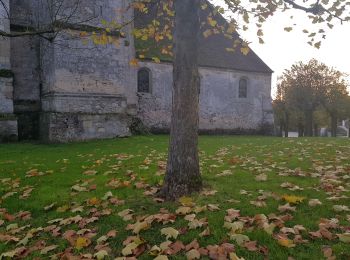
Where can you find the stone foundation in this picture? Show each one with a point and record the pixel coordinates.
(8, 121)
(28, 125)
(67, 127)
(8, 129)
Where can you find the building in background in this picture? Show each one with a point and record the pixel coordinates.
(69, 89)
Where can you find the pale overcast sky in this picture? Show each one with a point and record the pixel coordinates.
(282, 49)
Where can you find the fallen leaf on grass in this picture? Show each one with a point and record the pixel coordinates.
(169, 232)
(90, 172)
(328, 253)
(292, 199)
(314, 202)
(132, 244)
(235, 227)
(286, 207)
(340, 208)
(233, 256)
(205, 233)
(251, 246)
(100, 255)
(138, 226)
(198, 223)
(126, 214)
(261, 177)
(47, 249)
(285, 242)
(193, 254)
(183, 210)
(213, 207)
(269, 228)
(82, 242)
(186, 201)
(239, 238)
(154, 251)
(345, 238)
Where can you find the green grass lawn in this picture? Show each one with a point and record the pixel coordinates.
(63, 200)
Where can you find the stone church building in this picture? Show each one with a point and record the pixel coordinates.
(69, 89)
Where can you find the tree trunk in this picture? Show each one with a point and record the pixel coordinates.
(280, 133)
(316, 130)
(334, 125)
(286, 126)
(300, 128)
(183, 174)
(308, 122)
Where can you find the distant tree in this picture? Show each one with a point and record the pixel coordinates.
(309, 88)
(335, 100)
(281, 109)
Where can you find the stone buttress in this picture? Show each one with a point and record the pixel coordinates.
(8, 121)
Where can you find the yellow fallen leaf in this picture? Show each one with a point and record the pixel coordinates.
(186, 201)
(82, 242)
(293, 199)
(286, 242)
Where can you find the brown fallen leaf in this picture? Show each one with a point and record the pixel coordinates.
(251, 246)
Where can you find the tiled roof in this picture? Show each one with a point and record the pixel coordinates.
(212, 50)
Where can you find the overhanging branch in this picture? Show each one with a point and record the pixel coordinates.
(27, 33)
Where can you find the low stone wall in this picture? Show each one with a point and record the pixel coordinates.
(67, 127)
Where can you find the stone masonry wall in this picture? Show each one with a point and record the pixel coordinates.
(221, 110)
(73, 78)
(8, 122)
(86, 81)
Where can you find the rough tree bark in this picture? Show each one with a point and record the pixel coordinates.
(183, 173)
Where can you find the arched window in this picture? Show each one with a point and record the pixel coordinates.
(243, 88)
(144, 80)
